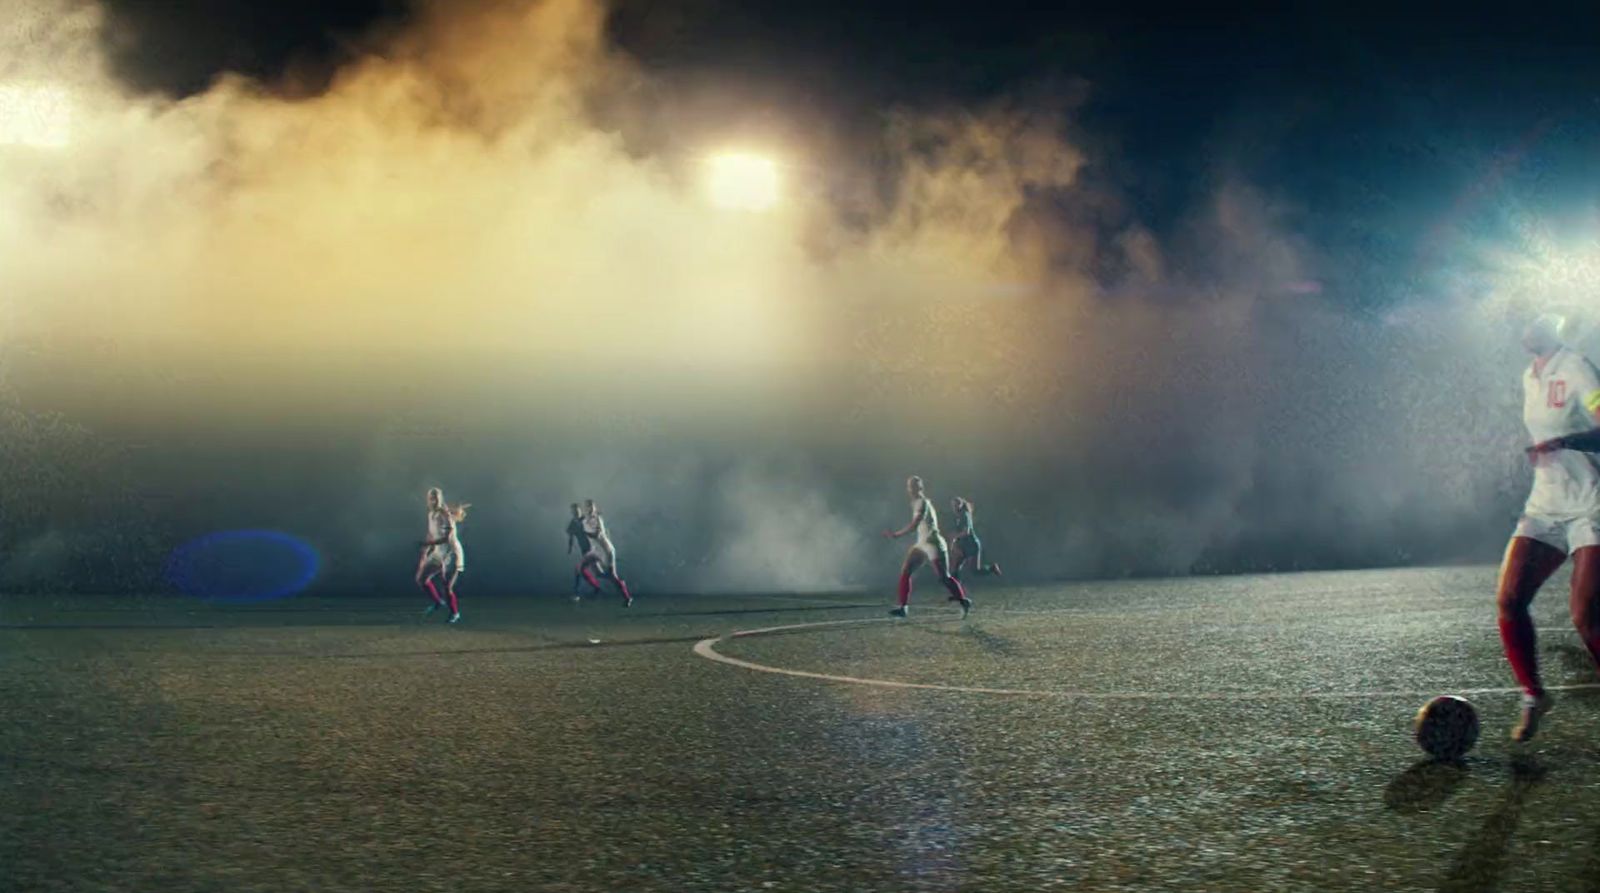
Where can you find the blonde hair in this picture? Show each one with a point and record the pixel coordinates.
(458, 513)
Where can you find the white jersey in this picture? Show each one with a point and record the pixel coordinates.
(441, 526)
(928, 522)
(599, 537)
(1563, 398)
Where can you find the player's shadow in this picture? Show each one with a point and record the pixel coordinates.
(1424, 786)
(1482, 863)
(984, 639)
(735, 612)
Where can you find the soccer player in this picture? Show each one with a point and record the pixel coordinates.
(442, 555)
(577, 536)
(930, 546)
(1561, 408)
(965, 542)
(602, 553)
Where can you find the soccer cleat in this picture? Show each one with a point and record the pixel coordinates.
(901, 611)
(455, 618)
(627, 602)
(428, 611)
(1534, 707)
(966, 608)
(576, 598)
(996, 569)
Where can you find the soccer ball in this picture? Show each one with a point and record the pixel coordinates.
(1447, 727)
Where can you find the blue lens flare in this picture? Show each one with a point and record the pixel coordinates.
(243, 566)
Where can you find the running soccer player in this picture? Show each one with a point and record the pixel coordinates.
(602, 553)
(1561, 409)
(442, 555)
(929, 547)
(965, 543)
(578, 536)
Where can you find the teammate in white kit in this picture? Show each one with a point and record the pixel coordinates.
(930, 547)
(602, 553)
(442, 555)
(1561, 408)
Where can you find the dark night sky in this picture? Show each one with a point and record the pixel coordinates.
(1381, 128)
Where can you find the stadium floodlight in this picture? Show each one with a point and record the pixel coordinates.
(743, 181)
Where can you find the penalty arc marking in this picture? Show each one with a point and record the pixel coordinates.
(707, 648)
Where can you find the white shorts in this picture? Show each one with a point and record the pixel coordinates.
(933, 549)
(1567, 534)
(443, 558)
(606, 560)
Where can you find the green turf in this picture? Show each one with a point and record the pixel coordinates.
(157, 744)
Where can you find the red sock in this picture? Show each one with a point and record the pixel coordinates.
(589, 575)
(950, 582)
(623, 585)
(433, 592)
(1516, 633)
(905, 589)
(451, 591)
(957, 591)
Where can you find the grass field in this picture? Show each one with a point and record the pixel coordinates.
(1218, 734)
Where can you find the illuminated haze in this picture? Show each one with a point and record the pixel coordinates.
(483, 259)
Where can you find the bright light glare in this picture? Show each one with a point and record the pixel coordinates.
(34, 116)
(742, 181)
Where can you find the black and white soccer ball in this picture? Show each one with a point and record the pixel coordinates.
(1447, 727)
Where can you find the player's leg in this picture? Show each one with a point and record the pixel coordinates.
(958, 557)
(581, 574)
(941, 564)
(977, 560)
(450, 589)
(1586, 598)
(1528, 564)
(426, 571)
(992, 568)
(609, 571)
(586, 569)
(914, 560)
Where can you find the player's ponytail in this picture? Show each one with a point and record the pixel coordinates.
(458, 513)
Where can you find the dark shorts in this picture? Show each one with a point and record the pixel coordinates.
(969, 544)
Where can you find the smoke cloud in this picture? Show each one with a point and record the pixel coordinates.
(481, 258)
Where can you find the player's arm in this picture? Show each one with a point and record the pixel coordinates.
(1587, 442)
(1584, 442)
(916, 518)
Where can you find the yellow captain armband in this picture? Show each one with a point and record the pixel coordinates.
(1592, 403)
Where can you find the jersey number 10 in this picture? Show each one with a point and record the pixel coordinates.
(1558, 395)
